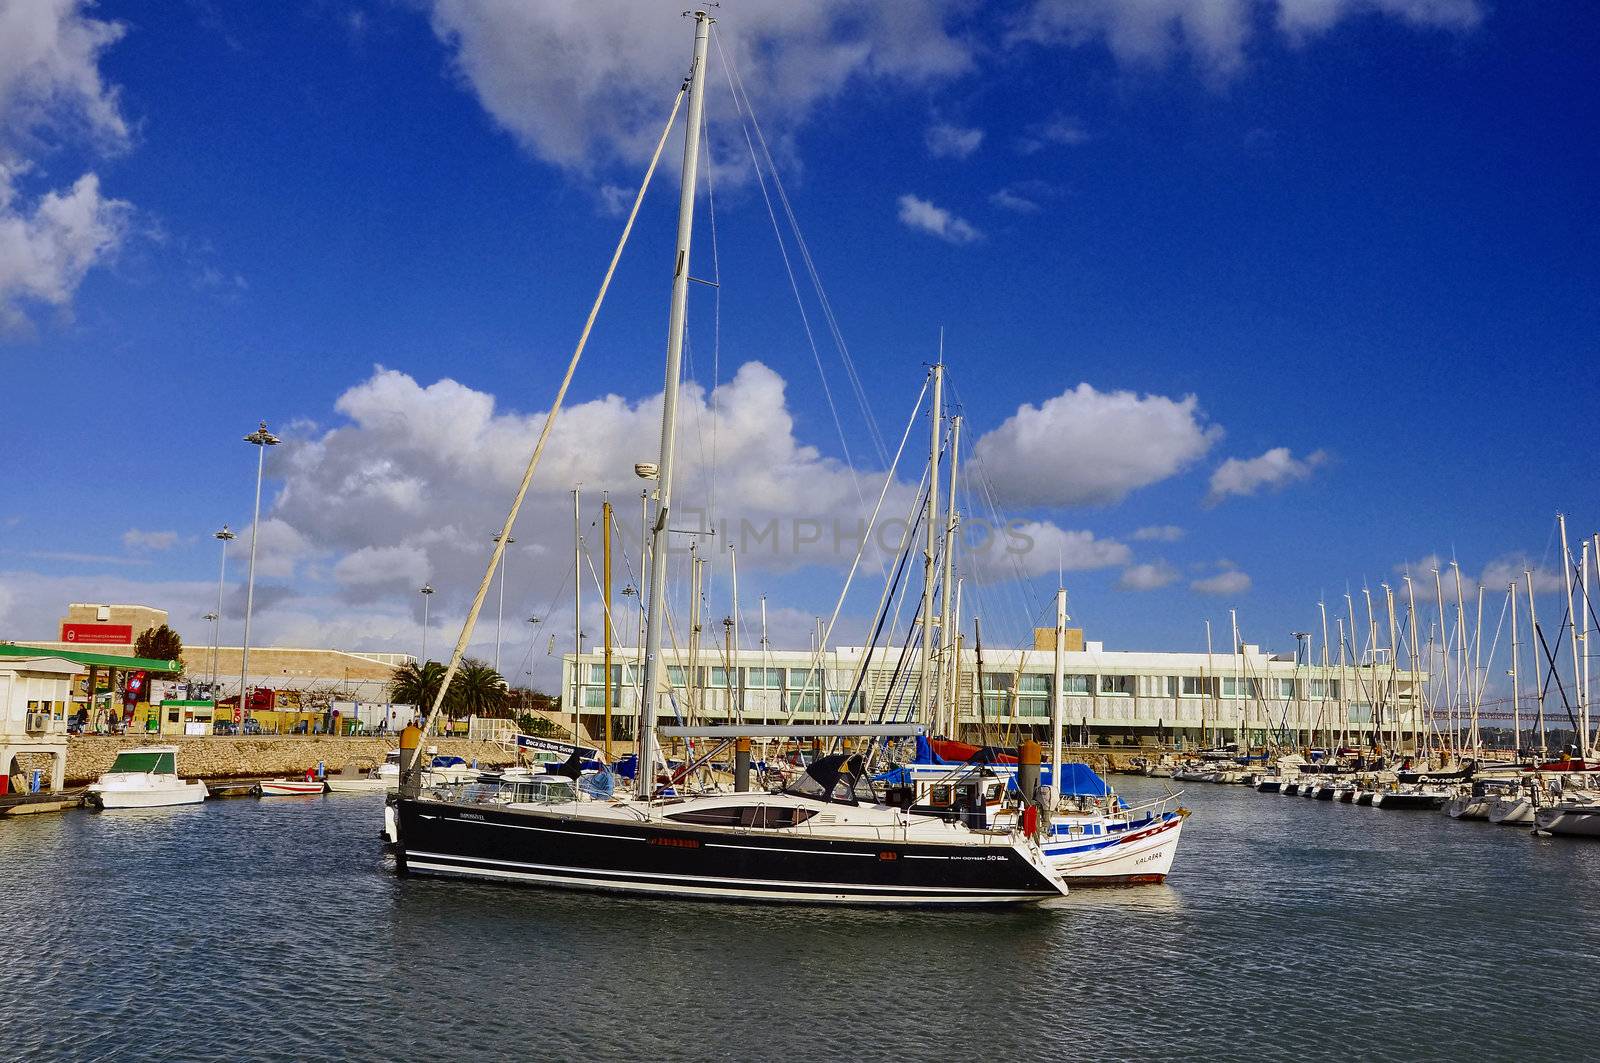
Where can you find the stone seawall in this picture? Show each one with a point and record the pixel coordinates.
(250, 757)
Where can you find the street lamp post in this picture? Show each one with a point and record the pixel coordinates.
(426, 592)
(501, 619)
(225, 536)
(261, 439)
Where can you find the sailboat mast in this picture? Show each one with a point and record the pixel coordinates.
(1058, 703)
(1422, 732)
(1533, 644)
(645, 773)
(1394, 666)
(1238, 660)
(946, 631)
(1211, 681)
(1322, 608)
(1516, 667)
(577, 611)
(605, 564)
(935, 415)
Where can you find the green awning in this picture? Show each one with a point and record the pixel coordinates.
(101, 660)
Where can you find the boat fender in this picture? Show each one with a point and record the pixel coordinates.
(1030, 821)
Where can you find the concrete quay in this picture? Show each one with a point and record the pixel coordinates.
(245, 757)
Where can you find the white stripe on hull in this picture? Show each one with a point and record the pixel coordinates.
(693, 886)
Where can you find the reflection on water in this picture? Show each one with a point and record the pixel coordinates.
(275, 929)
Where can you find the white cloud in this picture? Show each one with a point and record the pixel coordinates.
(50, 89)
(584, 81)
(135, 539)
(1032, 548)
(1006, 199)
(1147, 576)
(946, 141)
(1494, 577)
(1228, 581)
(1159, 533)
(1061, 131)
(1273, 470)
(373, 572)
(1217, 32)
(1088, 447)
(923, 216)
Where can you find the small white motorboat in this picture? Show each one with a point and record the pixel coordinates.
(289, 787)
(145, 778)
(353, 780)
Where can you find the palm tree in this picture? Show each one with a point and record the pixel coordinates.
(416, 684)
(478, 690)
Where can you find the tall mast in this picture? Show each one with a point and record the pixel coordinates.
(1423, 728)
(1516, 666)
(1238, 661)
(577, 610)
(1533, 643)
(1322, 608)
(605, 562)
(1394, 667)
(1344, 690)
(1211, 681)
(1058, 703)
(645, 774)
(1477, 677)
(954, 692)
(1581, 634)
(946, 631)
(1444, 649)
(935, 416)
(1566, 572)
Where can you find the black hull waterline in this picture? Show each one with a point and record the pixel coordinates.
(537, 848)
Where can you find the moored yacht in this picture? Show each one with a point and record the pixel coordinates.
(145, 778)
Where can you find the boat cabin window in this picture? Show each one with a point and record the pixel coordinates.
(146, 761)
(939, 796)
(766, 817)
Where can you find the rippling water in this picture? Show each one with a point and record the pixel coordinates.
(1291, 929)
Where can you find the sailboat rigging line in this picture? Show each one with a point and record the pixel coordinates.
(859, 679)
(1553, 673)
(504, 537)
(872, 523)
(743, 106)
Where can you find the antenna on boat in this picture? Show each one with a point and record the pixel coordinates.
(645, 769)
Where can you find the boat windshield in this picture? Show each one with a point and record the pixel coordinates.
(840, 777)
(159, 763)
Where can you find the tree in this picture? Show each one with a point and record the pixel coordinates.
(540, 726)
(478, 690)
(159, 643)
(416, 684)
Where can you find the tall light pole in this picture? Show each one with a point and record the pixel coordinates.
(225, 536)
(261, 439)
(500, 621)
(426, 592)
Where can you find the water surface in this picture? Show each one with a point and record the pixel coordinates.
(1291, 929)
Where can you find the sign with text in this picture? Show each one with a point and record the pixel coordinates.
(98, 634)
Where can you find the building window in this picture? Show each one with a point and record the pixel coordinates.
(677, 675)
(1033, 706)
(805, 679)
(1323, 689)
(1198, 686)
(1116, 684)
(998, 681)
(714, 678)
(1286, 689)
(763, 678)
(1033, 683)
(804, 702)
(1075, 684)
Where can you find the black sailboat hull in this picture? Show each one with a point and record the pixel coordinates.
(538, 848)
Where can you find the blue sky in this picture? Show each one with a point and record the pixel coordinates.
(1328, 270)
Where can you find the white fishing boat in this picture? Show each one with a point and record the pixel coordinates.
(289, 787)
(442, 769)
(353, 780)
(145, 778)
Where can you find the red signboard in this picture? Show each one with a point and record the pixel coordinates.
(102, 634)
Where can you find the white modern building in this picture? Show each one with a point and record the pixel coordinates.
(1113, 697)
